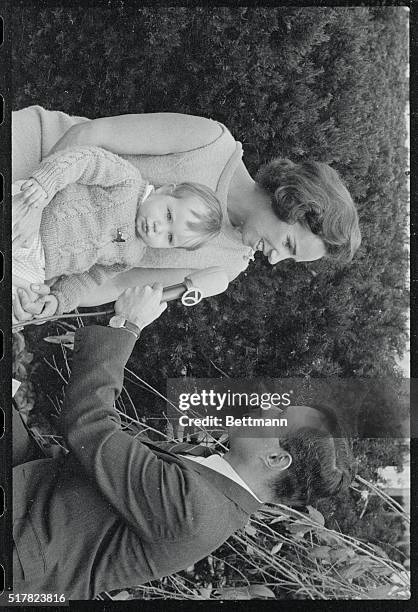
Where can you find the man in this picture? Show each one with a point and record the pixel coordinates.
(117, 512)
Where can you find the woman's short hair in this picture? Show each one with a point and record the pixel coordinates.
(322, 463)
(208, 223)
(314, 194)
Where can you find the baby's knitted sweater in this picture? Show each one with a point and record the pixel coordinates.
(88, 230)
(36, 130)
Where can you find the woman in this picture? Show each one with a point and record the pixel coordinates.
(300, 211)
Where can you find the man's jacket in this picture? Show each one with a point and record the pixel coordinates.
(115, 512)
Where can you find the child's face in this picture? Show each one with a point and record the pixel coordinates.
(162, 220)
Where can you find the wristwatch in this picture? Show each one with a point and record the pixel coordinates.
(120, 321)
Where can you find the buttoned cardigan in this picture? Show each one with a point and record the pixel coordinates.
(88, 229)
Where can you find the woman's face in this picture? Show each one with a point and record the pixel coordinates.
(278, 240)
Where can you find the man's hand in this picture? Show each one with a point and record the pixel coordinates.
(141, 305)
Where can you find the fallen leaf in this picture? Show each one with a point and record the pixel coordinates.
(316, 516)
(233, 593)
(276, 548)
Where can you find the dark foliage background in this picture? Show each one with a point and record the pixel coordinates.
(327, 84)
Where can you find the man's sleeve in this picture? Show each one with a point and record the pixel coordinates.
(87, 165)
(155, 497)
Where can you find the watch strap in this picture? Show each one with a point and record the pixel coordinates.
(119, 321)
(132, 327)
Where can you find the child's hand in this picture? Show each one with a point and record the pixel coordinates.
(33, 194)
(21, 301)
(49, 308)
(25, 308)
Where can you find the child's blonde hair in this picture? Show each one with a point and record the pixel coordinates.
(207, 224)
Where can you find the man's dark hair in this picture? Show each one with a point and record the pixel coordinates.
(322, 464)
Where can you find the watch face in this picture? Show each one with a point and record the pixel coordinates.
(117, 321)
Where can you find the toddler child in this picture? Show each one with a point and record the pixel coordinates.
(92, 215)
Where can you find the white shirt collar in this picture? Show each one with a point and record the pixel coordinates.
(147, 192)
(218, 463)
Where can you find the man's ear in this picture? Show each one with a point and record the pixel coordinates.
(280, 460)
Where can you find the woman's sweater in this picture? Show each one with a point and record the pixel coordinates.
(88, 230)
(35, 130)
